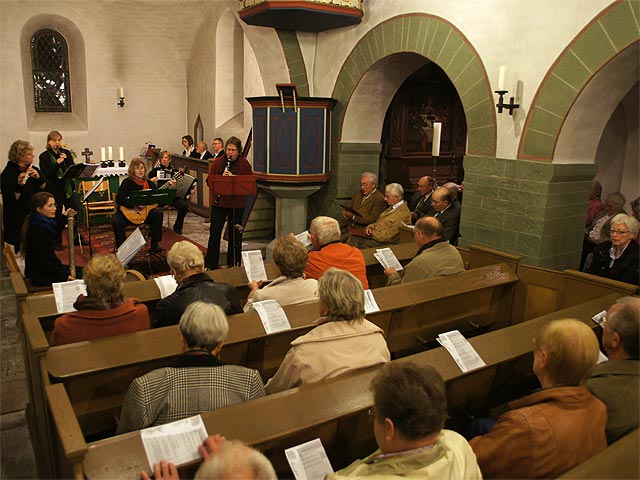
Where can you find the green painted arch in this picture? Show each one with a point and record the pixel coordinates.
(440, 42)
(295, 61)
(607, 35)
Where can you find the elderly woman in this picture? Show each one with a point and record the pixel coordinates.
(151, 216)
(196, 382)
(42, 266)
(557, 427)
(342, 342)
(618, 259)
(104, 311)
(291, 287)
(20, 180)
(187, 266)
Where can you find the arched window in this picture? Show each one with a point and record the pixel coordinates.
(50, 67)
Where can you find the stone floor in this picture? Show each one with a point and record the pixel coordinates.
(17, 460)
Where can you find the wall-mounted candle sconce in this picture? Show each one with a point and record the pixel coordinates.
(121, 97)
(501, 91)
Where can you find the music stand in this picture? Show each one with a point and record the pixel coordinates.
(233, 186)
(163, 196)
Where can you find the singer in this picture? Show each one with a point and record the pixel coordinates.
(227, 208)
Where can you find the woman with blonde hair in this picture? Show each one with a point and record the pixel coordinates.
(104, 311)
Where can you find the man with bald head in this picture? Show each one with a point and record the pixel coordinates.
(447, 213)
(201, 152)
(420, 202)
(615, 382)
(435, 257)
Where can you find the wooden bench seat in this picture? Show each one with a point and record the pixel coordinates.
(303, 413)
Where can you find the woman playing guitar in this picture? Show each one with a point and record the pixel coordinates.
(160, 175)
(137, 214)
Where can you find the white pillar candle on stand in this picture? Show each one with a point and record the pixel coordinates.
(121, 92)
(121, 153)
(103, 153)
(435, 146)
(110, 152)
(501, 75)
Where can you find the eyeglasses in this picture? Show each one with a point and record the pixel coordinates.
(371, 413)
(619, 232)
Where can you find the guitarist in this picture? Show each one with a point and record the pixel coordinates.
(151, 216)
(165, 169)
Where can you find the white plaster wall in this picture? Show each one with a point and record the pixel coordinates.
(630, 184)
(229, 51)
(526, 36)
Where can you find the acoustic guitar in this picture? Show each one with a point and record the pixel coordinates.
(138, 214)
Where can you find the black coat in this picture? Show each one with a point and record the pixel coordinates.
(450, 220)
(624, 269)
(42, 266)
(126, 187)
(198, 287)
(50, 168)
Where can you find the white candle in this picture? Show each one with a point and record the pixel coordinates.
(121, 92)
(110, 152)
(103, 152)
(121, 153)
(501, 75)
(435, 146)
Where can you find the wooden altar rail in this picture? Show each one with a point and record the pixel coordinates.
(303, 413)
(97, 373)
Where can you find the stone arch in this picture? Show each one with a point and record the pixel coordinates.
(561, 126)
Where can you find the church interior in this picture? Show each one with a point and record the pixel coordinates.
(141, 74)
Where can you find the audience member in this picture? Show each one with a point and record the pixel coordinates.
(595, 203)
(367, 203)
(162, 174)
(615, 382)
(410, 408)
(618, 258)
(552, 430)
(598, 231)
(420, 202)
(18, 183)
(217, 146)
(291, 287)
(42, 266)
(104, 311)
(187, 143)
(328, 251)
(342, 342)
(151, 216)
(435, 256)
(201, 151)
(448, 213)
(197, 382)
(227, 208)
(186, 263)
(386, 229)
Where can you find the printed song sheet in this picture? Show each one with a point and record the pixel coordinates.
(66, 294)
(309, 461)
(370, 304)
(303, 238)
(254, 266)
(175, 442)
(166, 284)
(272, 315)
(387, 258)
(461, 350)
(131, 247)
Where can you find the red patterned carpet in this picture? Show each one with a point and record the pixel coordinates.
(103, 241)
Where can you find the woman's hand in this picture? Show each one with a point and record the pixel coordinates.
(389, 271)
(154, 179)
(255, 285)
(70, 212)
(22, 178)
(61, 158)
(33, 172)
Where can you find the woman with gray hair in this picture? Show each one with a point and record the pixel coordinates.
(291, 287)
(342, 342)
(196, 382)
(618, 258)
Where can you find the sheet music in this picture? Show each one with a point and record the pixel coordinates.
(131, 247)
(93, 189)
(601, 358)
(387, 258)
(166, 284)
(66, 294)
(309, 461)
(303, 238)
(272, 316)
(254, 266)
(175, 442)
(600, 318)
(370, 304)
(409, 226)
(461, 350)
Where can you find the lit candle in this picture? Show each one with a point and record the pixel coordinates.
(121, 92)
(501, 75)
(103, 152)
(121, 153)
(435, 146)
(110, 152)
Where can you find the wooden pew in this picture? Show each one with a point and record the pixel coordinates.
(303, 413)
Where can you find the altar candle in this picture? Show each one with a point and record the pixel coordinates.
(501, 75)
(110, 152)
(121, 92)
(121, 153)
(103, 152)
(435, 146)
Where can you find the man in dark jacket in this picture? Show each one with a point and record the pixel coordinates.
(187, 266)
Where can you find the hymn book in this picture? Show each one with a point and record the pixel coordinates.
(131, 247)
(309, 461)
(254, 265)
(272, 316)
(461, 350)
(66, 294)
(387, 259)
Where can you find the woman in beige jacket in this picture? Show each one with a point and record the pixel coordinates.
(342, 342)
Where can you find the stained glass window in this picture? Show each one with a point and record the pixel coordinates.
(50, 66)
